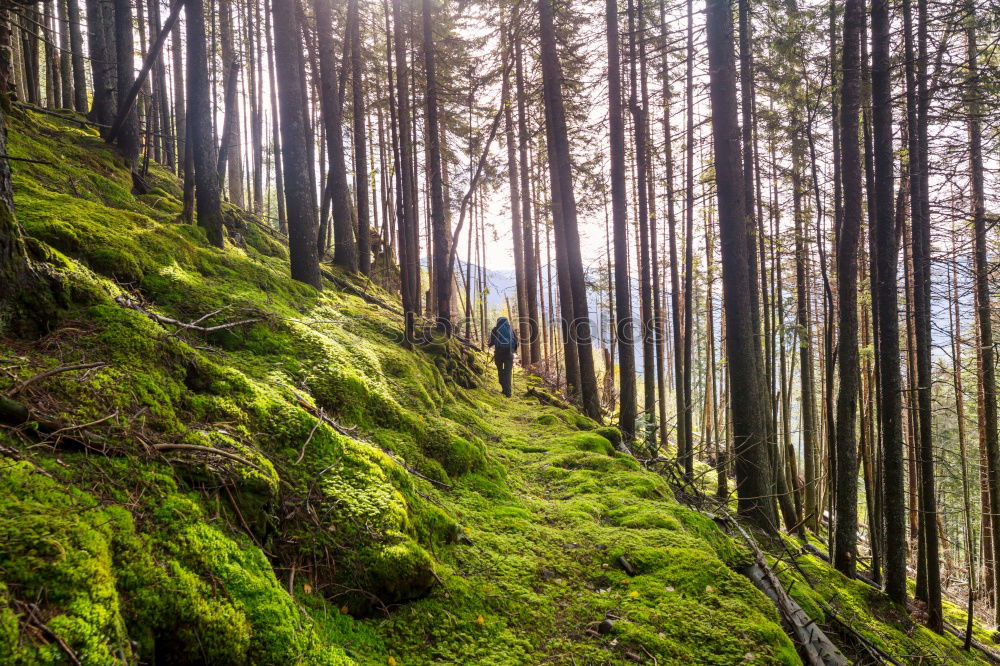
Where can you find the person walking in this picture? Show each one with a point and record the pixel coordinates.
(504, 343)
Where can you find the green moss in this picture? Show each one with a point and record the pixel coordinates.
(610, 433)
(380, 503)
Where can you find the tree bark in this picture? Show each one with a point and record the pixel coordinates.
(128, 135)
(65, 56)
(199, 114)
(746, 403)
(76, 49)
(639, 127)
(360, 140)
(530, 264)
(846, 537)
(300, 199)
(180, 115)
(102, 66)
(564, 201)
(619, 216)
(279, 181)
(406, 217)
(345, 250)
(989, 442)
(13, 256)
(887, 310)
(517, 229)
(918, 102)
(232, 142)
(441, 234)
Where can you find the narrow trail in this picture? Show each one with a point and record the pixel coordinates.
(541, 546)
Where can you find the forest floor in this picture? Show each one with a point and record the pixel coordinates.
(226, 466)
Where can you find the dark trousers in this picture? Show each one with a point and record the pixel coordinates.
(504, 358)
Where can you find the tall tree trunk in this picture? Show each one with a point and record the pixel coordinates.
(441, 245)
(685, 452)
(887, 310)
(530, 263)
(846, 537)
(662, 360)
(918, 99)
(299, 194)
(409, 258)
(65, 56)
(128, 135)
(279, 181)
(517, 229)
(102, 67)
(180, 117)
(619, 215)
(345, 250)
(641, 172)
(53, 90)
(76, 48)
(564, 201)
(747, 404)
(199, 115)
(254, 27)
(232, 141)
(360, 140)
(160, 86)
(987, 371)
(13, 255)
(955, 328)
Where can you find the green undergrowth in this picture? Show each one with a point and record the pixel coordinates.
(303, 486)
(833, 600)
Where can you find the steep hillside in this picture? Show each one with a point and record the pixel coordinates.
(226, 466)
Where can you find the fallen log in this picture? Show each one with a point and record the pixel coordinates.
(546, 398)
(816, 646)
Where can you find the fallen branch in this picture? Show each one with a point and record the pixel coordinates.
(15, 415)
(79, 121)
(54, 371)
(990, 654)
(414, 472)
(547, 398)
(188, 326)
(302, 453)
(818, 648)
(994, 657)
(207, 449)
(349, 288)
(320, 414)
(33, 618)
(25, 159)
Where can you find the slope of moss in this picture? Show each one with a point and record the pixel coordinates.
(305, 487)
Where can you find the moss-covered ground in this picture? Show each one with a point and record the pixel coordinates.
(308, 488)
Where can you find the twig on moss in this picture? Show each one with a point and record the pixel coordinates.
(33, 618)
(347, 432)
(83, 426)
(349, 288)
(25, 159)
(302, 453)
(54, 371)
(414, 472)
(321, 415)
(208, 449)
(187, 326)
(243, 522)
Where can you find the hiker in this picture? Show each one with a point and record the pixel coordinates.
(504, 341)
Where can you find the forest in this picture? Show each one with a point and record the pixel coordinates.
(251, 257)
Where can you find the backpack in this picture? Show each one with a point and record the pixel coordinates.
(503, 336)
